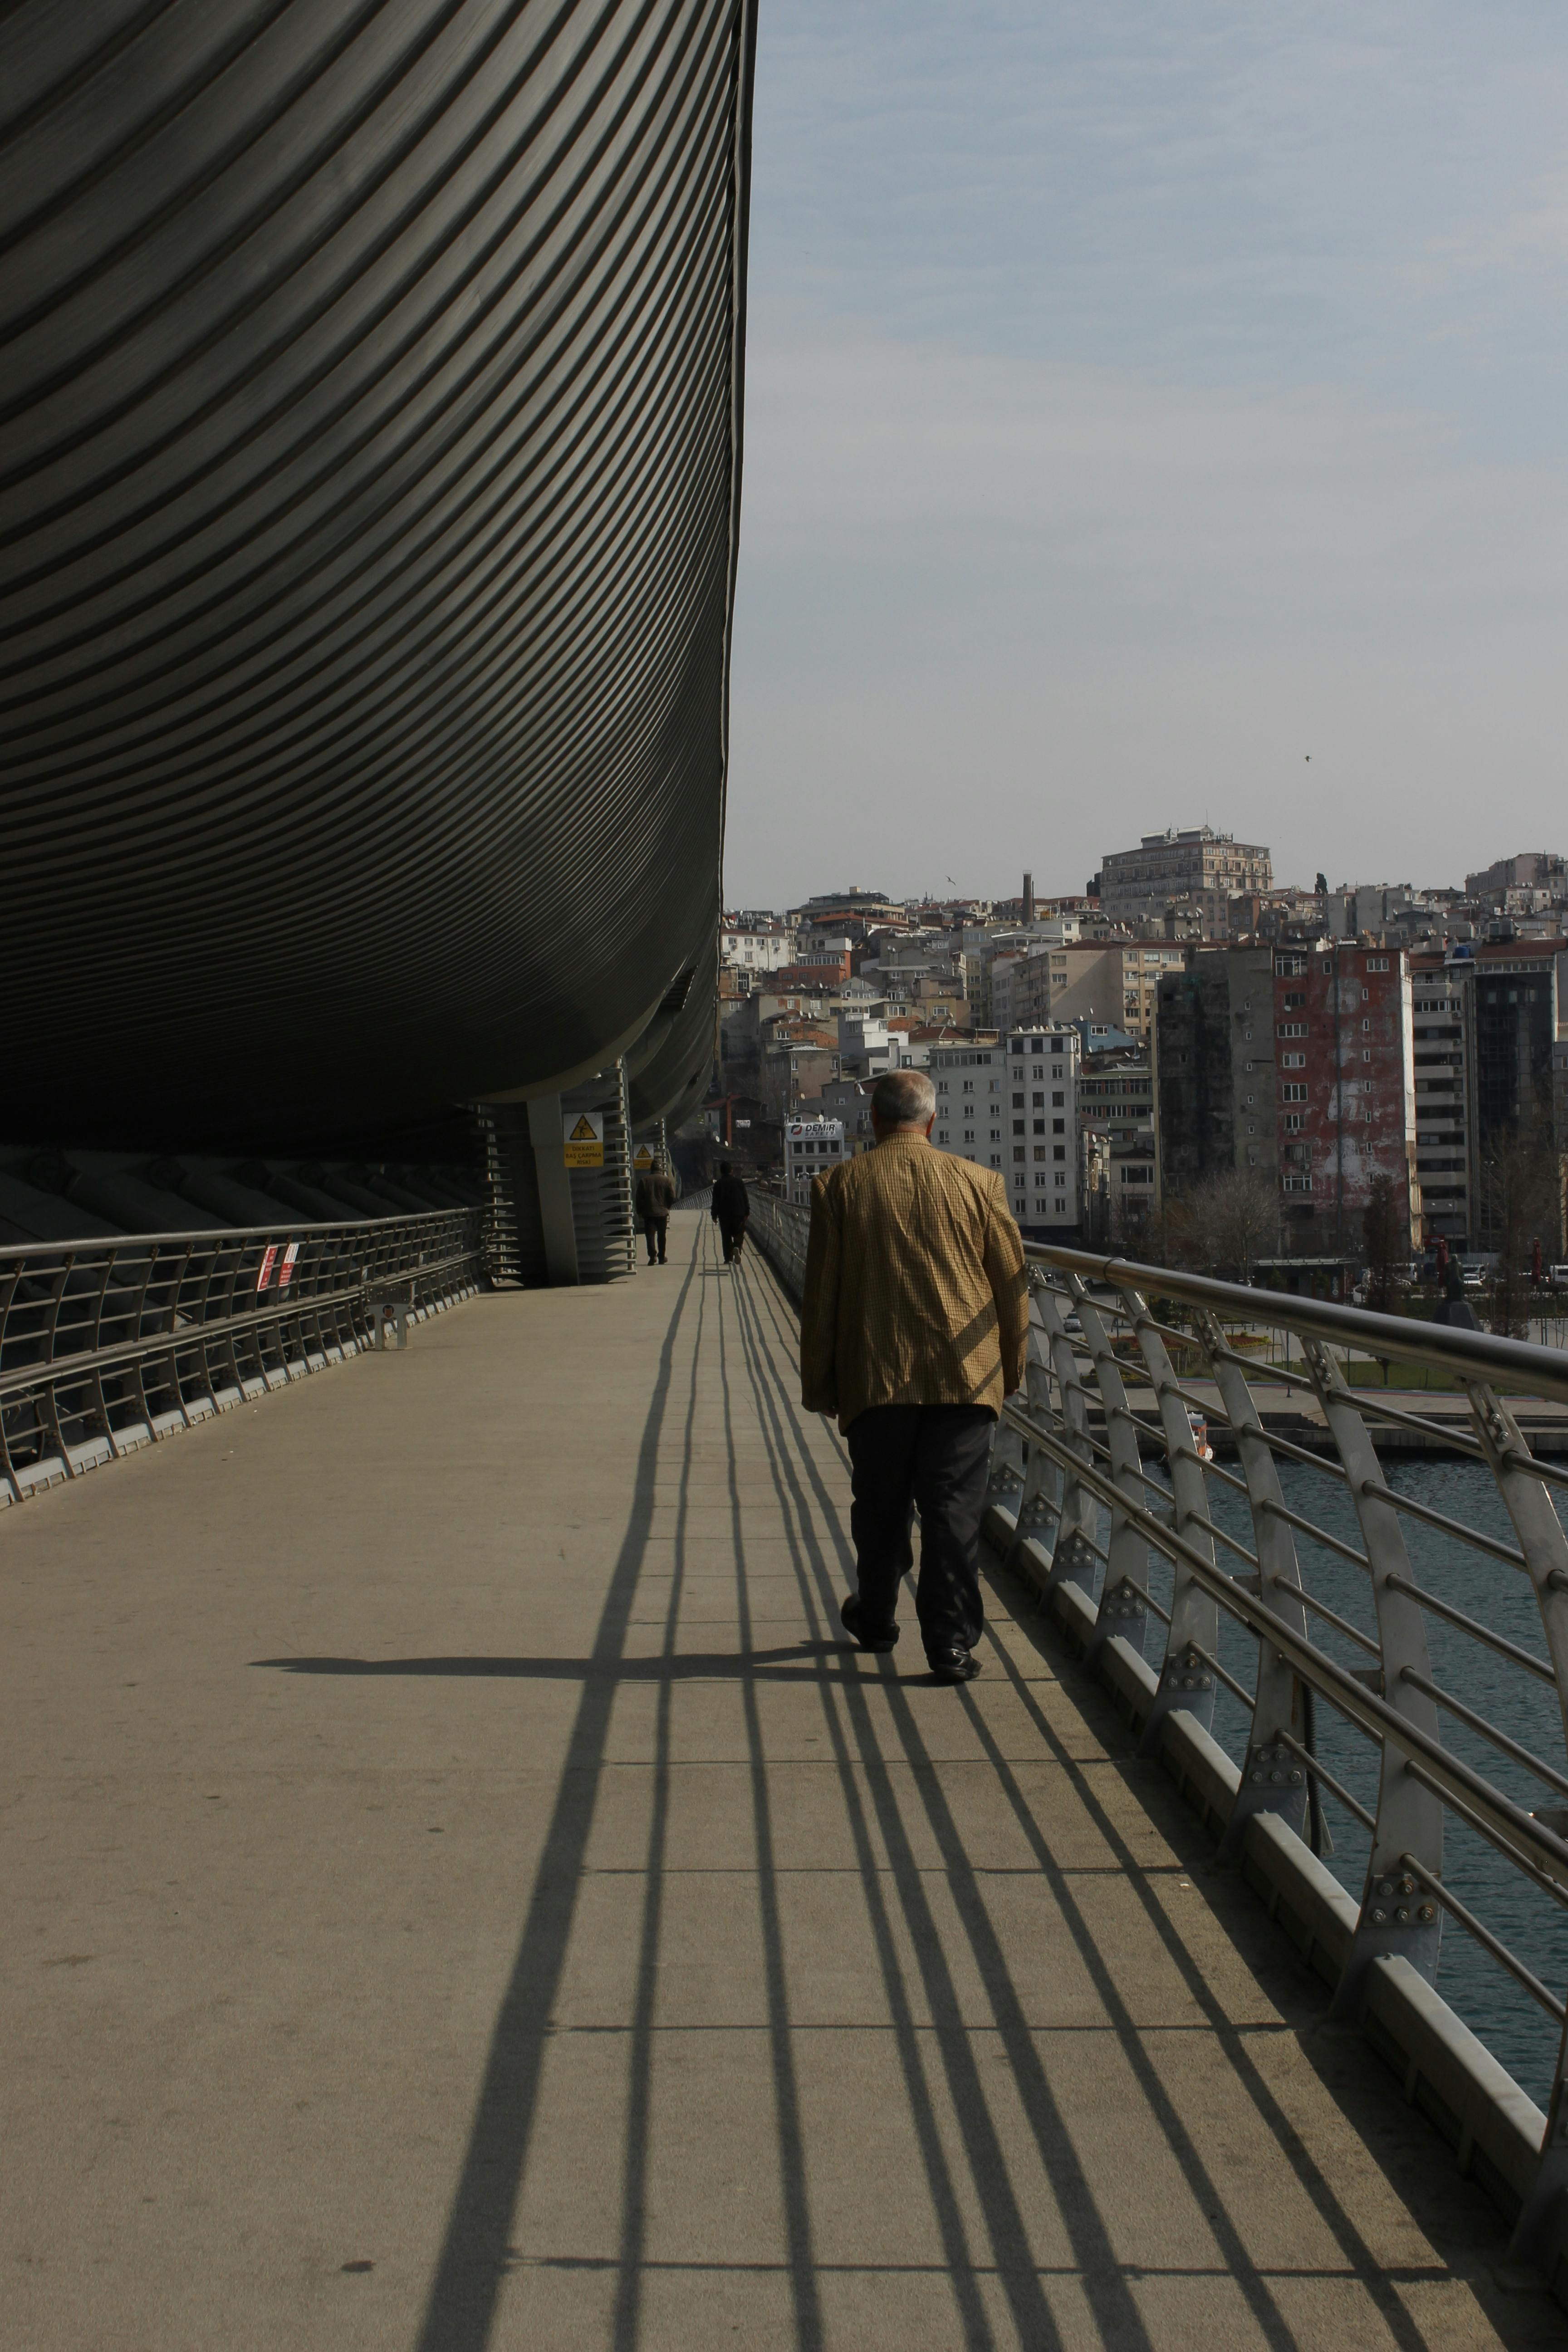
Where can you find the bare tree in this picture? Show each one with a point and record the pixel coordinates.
(1521, 1203)
(1385, 1237)
(1226, 1224)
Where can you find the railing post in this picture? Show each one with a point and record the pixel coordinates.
(1022, 1475)
(1272, 1780)
(1396, 1916)
(1184, 1679)
(1545, 1548)
(1073, 1560)
(1124, 1601)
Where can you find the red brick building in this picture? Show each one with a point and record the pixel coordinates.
(1344, 1091)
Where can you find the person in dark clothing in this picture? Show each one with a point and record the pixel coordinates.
(732, 1207)
(653, 1199)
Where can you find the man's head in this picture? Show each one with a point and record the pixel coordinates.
(724, 1168)
(903, 1099)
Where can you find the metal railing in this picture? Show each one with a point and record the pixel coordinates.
(1341, 1618)
(108, 1345)
(778, 1228)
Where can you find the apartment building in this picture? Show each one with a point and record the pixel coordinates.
(753, 946)
(1091, 980)
(1012, 1106)
(1299, 1064)
(812, 1146)
(1202, 869)
(1442, 1008)
(1488, 1021)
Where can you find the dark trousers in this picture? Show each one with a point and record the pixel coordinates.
(733, 1236)
(933, 1457)
(657, 1232)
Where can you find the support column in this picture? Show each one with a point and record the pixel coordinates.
(544, 1131)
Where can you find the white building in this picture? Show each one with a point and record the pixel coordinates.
(755, 947)
(1013, 1107)
(812, 1146)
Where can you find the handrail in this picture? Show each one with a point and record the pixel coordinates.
(1046, 1475)
(1440, 1347)
(110, 1343)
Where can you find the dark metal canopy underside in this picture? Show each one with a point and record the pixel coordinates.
(369, 472)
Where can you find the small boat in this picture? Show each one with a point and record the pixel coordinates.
(1200, 1430)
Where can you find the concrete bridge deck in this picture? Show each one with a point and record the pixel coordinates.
(459, 1893)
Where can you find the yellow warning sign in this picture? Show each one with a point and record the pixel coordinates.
(584, 1134)
(644, 1159)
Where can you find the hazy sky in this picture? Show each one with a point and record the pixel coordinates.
(1141, 398)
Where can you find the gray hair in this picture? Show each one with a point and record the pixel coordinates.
(904, 1099)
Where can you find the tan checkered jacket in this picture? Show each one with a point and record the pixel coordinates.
(915, 1289)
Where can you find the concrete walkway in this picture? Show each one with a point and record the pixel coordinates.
(459, 1893)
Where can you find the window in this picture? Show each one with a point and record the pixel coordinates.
(1293, 1122)
(969, 1086)
(1017, 1102)
(1057, 1101)
(1039, 1150)
(1291, 1029)
(1058, 1151)
(1017, 1151)
(1039, 1127)
(1366, 1024)
(942, 1086)
(1288, 967)
(1039, 1102)
(1376, 963)
(1366, 1057)
(1295, 998)
(1058, 1127)
(1292, 1061)
(1298, 1183)
(995, 1160)
(1294, 1093)
(1018, 1126)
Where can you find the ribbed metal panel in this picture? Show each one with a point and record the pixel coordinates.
(369, 465)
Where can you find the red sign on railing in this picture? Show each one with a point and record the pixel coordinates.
(268, 1260)
(285, 1271)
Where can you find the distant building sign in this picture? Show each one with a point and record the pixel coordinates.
(584, 1134)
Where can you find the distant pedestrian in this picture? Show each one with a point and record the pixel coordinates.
(913, 1329)
(653, 1199)
(732, 1207)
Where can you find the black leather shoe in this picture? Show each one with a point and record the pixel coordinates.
(954, 1666)
(849, 1615)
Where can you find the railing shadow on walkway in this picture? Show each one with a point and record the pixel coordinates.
(973, 2190)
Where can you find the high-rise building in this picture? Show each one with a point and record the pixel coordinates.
(1198, 866)
(1488, 1020)
(1297, 1063)
(1012, 1106)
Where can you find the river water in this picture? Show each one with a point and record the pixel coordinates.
(1514, 2027)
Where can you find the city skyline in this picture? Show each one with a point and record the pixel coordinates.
(1148, 421)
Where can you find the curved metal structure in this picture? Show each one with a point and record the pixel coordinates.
(369, 479)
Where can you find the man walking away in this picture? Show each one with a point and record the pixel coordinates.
(732, 1207)
(912, 1331)
(653, 1199)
